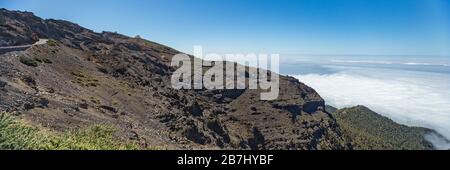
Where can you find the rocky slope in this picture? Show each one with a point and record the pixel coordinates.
(82, 78)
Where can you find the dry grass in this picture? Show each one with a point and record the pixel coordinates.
(84, 79)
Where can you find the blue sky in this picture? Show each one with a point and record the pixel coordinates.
(394, 27)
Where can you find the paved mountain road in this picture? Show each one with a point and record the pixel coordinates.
(21, 47)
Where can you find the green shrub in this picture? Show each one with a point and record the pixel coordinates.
(95, 100)
(16, 135)
(84, 79)
(52, 42)
(97, 137)
(28, 61)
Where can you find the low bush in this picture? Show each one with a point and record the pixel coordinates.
(16, 135)
(28, 61)
(84, 79)
(52, 42)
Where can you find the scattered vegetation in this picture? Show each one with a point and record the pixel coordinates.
(46, 60)
(368, 130)
(34, 62)
(84, 79)
(52, 42)
(16, 135)
(95, 100)
(2, 20)
(97, 137)
(28, 61)
(43, 60)
(155, 46)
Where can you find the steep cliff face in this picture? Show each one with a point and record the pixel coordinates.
(80, 78)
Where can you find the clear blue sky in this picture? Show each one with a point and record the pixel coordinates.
(417, 27)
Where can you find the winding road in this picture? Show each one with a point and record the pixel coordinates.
(4, 50)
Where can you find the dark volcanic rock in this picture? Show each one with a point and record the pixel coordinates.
(28, 106)
(3, 84)
(109, 108)
(43, 102)
(195, 109)
(257, 142)
(313, 106)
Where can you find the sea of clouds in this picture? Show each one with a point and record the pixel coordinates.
(412, 98)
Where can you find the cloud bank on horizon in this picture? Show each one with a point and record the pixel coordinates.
(408, 97)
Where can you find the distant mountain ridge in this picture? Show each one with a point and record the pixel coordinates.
(368, 130)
